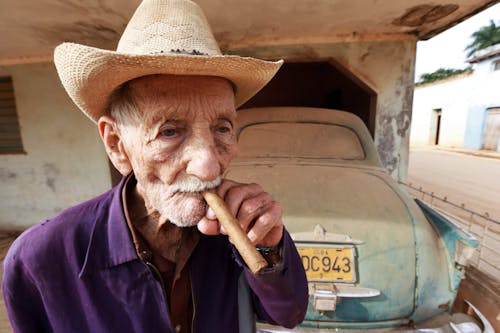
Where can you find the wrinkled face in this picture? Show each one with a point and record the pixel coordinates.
(182, 142)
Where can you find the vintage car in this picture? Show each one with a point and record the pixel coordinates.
(374, 257)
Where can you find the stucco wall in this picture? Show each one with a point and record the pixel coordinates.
(387, 67)
(484, 94)
(64, 162)
(452, 97)
(464, 100)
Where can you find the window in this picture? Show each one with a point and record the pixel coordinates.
(10, 136)
(280, 139)
(496, 65)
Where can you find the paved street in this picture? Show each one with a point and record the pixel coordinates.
(462, 178)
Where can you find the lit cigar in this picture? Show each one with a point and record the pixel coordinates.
(239, 238)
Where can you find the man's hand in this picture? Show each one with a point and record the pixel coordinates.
(259, 215)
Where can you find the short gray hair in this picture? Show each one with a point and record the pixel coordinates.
(122, 105)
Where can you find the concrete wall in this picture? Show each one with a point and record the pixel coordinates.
(464, 100)
(452, 97)
(484, 94)
(387, 67)
(64, 162)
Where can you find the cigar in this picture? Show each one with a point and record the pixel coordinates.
(254, 260)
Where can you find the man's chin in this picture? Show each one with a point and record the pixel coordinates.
(185, 210)
(184, 224)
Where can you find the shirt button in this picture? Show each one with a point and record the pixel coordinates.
(178, 328)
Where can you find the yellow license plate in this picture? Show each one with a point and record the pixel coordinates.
(328, 263)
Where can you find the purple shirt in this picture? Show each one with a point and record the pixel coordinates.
(79, 272)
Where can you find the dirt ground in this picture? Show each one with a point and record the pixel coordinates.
(460, 177)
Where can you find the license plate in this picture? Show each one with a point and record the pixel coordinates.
(328, 263)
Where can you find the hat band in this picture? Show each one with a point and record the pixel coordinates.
(180, 51)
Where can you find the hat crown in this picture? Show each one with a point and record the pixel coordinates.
(168, 27)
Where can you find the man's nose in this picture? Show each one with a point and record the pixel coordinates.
(203, 160)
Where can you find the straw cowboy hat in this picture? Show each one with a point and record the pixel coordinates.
(162, 37)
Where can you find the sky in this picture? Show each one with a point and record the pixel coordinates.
(447, 49)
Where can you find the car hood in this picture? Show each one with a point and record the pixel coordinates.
(355, 202)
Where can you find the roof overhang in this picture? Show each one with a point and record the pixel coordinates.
(489, 52)
(31, 29)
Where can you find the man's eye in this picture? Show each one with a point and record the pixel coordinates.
(169, 132)
(223, 129)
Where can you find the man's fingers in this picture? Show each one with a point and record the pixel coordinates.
(252, 208)
(256, 211)
(268, 228)
(234, 194)
(208, 226)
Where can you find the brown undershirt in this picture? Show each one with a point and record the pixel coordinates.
(168, 248)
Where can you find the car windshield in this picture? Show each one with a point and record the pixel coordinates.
(303, 140)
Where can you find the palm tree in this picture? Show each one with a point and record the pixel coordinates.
(486, 36)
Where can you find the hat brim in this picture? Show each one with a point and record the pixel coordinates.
(90, 75)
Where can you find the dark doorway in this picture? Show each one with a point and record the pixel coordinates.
(435, 127)
(318, 84)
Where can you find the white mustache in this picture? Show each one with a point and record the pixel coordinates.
(193, 184)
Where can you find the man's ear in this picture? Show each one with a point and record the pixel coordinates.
(113, 144)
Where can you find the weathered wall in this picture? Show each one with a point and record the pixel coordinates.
(484, 94)
(451, 96)
(464, 100)
(64, 162)
(386, 67)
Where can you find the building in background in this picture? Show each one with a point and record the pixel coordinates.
(461, 111)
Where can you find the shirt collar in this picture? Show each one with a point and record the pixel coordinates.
(149, 245)
(110, 243)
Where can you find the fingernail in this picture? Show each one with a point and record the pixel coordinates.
(252, 236)
(210, 214)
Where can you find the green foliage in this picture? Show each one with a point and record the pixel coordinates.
(486, 36)
(441, 73)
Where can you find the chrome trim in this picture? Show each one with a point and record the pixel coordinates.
(456, 328)
(463, 327)
(486, 324)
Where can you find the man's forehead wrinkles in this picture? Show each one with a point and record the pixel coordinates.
(182, 113)
(194, 102)
(160, 113)
(169, 113)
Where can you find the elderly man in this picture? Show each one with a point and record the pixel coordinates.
(148, 256)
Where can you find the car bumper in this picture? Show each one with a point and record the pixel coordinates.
(457, 323)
